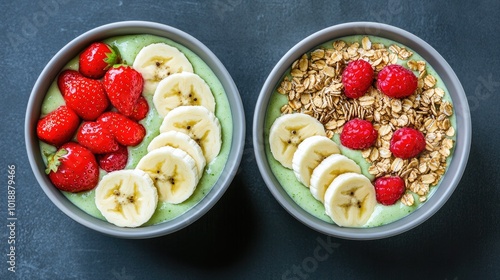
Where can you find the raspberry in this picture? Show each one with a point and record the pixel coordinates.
(396, 81)
(357, 78)
(113, 161)
(358, 134)
(407, 143)
(389, 189)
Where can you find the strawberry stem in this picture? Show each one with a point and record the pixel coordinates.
(54, 160)
(111, 57)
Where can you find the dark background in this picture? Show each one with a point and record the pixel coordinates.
(248, 235)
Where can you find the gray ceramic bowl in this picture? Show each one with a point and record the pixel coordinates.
(456, 167)
(71, 50)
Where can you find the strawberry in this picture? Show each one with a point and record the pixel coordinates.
(141, 109)
(126, 131)
(113, 161)
(58, 127)
(85, 96)
(66, 79)
(124, 86)
(73, 168)
(96, 59)
(97, 138)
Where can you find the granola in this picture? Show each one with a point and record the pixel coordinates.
(314, 87)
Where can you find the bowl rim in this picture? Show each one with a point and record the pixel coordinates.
(463, 136)
(70, 50)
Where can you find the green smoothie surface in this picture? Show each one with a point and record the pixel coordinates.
(301, 194)
(129, 46)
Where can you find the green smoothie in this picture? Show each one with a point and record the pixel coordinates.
(128, 47)
(301, 194)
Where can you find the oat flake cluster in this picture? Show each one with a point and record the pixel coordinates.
(315, 88)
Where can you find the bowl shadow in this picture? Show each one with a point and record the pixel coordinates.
(218, 239)
(442, 245)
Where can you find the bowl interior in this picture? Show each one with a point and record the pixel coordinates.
(463, 138)
(50, 72)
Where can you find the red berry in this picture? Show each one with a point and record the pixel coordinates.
(58, 127)
(407, 143)
(141, 109)
(388, 190)
(73, 168)
(113, 161)
(396, 81)
(96, 59)
(124, 86)
(97, 138)
(126, 131)
(85, 96)
(358, 134)
(357, 78)
(66, 80)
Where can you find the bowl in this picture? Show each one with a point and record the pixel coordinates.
(71, 50)
(456, 166)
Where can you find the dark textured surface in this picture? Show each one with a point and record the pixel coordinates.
(247, 235)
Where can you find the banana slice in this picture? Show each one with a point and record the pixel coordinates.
(200, 124)
(350, 200)
(126, 198)
(181, 141)
(331, 167)
(288, 131)
(182, 89)
(157, 61)
(309, 154)
(173, 172)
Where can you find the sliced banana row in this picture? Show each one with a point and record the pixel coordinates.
(298, 142)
